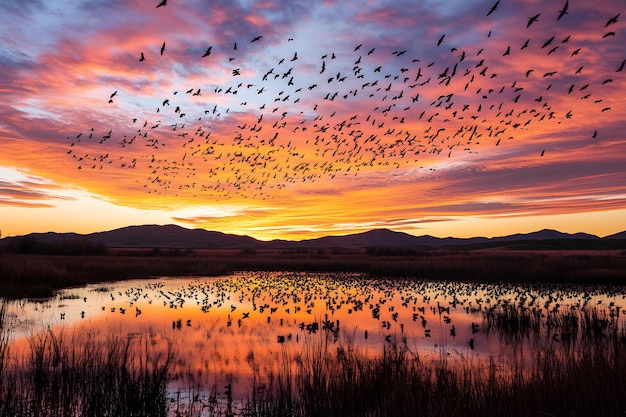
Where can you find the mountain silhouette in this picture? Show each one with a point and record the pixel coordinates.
(177, 237)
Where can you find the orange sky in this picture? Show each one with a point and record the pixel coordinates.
(343, 117)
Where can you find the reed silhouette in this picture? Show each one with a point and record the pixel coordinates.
(78, 375)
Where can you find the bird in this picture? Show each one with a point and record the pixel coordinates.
(525, 44)
(621, 67)
(548, 42)
(440, 41)
(493, 8)
(533, 19)
(563, 12)
(163, 3)
(208, 52)
(612, 20)
(256, 39)
(142, 58)
(162, 48)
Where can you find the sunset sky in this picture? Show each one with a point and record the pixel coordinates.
(291, 119)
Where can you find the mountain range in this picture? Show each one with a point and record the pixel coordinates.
(173, 236)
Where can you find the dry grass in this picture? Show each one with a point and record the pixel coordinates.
(40, 275)
(581, 375)
(80, 376)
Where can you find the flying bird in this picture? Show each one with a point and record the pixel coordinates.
(612, 20)
(548, 42)
(621, 67)
(162, 48)
(142, 58)
(208, 52)
(533, 19)
(525, 44)
(163, 3)
(563, 12)
(440, 41)
(256, 39)
(494, 7)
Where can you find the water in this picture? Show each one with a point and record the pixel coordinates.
(238, 329)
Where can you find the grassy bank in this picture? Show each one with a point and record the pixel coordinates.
(39, 275)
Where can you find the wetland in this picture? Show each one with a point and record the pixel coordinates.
(316, 343)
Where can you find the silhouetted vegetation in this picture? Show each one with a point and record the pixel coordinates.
(81, 376)
(31, 245)
(575, 365)
(384, 251)
(40, 274)
(580, 377)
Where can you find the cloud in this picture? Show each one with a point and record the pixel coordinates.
(23, 190)
(394, 139)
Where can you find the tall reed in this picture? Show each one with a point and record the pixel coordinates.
(78, 375)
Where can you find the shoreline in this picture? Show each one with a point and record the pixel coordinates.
(40, 276)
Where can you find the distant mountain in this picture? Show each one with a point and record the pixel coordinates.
(372, 238)
(544, 234)
(146, 236)
(620, 235)
(172, 236)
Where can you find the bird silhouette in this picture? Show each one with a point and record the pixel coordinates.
(612, 20)
(563, 11)
(532, 19)
(493, 8)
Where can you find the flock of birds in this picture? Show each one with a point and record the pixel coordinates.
(285, 124)
(290, 306)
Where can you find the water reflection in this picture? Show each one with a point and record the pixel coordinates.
(232, 330)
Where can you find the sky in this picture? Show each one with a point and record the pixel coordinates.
(294, 120)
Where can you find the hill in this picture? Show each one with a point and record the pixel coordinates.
(176, 237)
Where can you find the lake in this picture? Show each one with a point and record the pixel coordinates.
(234, 333)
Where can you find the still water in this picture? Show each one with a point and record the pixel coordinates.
(237, 329)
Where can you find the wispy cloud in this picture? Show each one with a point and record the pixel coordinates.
(18, 189)
(338, 114)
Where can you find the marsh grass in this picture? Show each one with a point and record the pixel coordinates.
(61, 374)
(39, 275)
(581, 377)
(27, 275)
(77, 375)
(587, 381)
